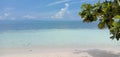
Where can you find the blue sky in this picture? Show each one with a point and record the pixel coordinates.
(41, 9)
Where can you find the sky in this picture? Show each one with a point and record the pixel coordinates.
(41, 9)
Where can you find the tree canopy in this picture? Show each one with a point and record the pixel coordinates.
(108, 14)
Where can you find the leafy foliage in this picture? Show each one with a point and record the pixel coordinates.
(108, 14)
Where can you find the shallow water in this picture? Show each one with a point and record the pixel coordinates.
(55, 37)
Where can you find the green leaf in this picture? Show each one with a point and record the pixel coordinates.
(117, 17)
(101, 25)
(112, 37)
(116, 24)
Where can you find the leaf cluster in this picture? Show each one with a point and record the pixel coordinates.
(108, 14)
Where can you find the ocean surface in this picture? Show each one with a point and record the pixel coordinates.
(52, 33)
(38, 24)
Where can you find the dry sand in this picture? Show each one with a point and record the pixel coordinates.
(59, 52)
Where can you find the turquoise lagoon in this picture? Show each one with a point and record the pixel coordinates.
(55, 37)
(52, 34)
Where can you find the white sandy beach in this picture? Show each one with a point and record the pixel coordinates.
(59, 52)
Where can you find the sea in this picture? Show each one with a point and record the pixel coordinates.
(29, 33)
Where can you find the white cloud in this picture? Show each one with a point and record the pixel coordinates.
(62, 12)
(29, 17)
(5, 16)
(57, 2)
(13, 18)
